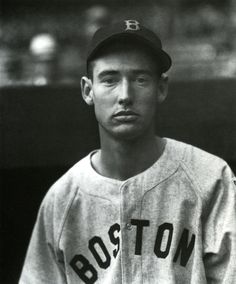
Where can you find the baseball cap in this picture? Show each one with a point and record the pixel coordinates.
(130, 29)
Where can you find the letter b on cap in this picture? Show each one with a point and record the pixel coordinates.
(132, 25)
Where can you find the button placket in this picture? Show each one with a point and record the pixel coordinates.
(131, 269)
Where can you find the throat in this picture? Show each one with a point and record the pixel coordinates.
(125, 161)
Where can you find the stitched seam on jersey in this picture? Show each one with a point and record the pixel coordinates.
(177, 168)
(195, 184)
(190, 176)
(158, 183)
(142, 199)
(121, 239)
(193, 181)
(163, 180)
(94, 195)
(68, 207)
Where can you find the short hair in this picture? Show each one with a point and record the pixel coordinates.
(115, 45)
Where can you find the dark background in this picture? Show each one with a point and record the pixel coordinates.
(45, 42)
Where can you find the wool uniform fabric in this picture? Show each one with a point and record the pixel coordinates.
(174, 223)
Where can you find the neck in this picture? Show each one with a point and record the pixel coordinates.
(122, 159)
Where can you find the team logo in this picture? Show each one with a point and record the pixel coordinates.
(132, 25)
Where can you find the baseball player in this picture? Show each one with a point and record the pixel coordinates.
(141, 209)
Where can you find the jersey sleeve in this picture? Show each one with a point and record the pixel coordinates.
(219, 232)
(43, 262)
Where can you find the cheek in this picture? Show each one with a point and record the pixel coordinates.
(148, 102)
(148, 107)
(101, 95)
(103, 104)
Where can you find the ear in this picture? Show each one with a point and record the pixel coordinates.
(87, 90)
(162, 88)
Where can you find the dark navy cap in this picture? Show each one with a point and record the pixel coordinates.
(129, 29)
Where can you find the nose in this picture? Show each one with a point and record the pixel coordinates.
(125, 93)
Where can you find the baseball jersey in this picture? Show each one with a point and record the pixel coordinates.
(172, 223)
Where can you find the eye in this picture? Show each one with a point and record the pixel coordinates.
(109, 80)
(142, 79)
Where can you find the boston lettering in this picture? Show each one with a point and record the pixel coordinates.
(86, 271)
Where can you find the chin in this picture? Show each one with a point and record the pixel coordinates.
(127, 133)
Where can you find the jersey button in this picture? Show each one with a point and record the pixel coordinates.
(128, 226)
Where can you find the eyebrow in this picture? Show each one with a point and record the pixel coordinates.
(116, 72)
(107, 72)
(143, 71)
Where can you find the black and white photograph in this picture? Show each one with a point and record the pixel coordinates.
(118, 142)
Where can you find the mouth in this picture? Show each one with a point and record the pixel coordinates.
(125, 116)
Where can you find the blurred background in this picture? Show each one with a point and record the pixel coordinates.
(43, 42)
(45, 127)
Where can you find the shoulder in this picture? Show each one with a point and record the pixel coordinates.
(57, 203)
(202, 164)
(196, 160)
(209, 173)
(61, 194)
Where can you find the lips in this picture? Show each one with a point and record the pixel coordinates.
(125, 116)
(125, 112)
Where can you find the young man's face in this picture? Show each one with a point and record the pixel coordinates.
(125, 90)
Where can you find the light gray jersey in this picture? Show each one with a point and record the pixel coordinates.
(173, 223)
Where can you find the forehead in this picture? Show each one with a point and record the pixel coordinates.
(124, 59)
(125, 54)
